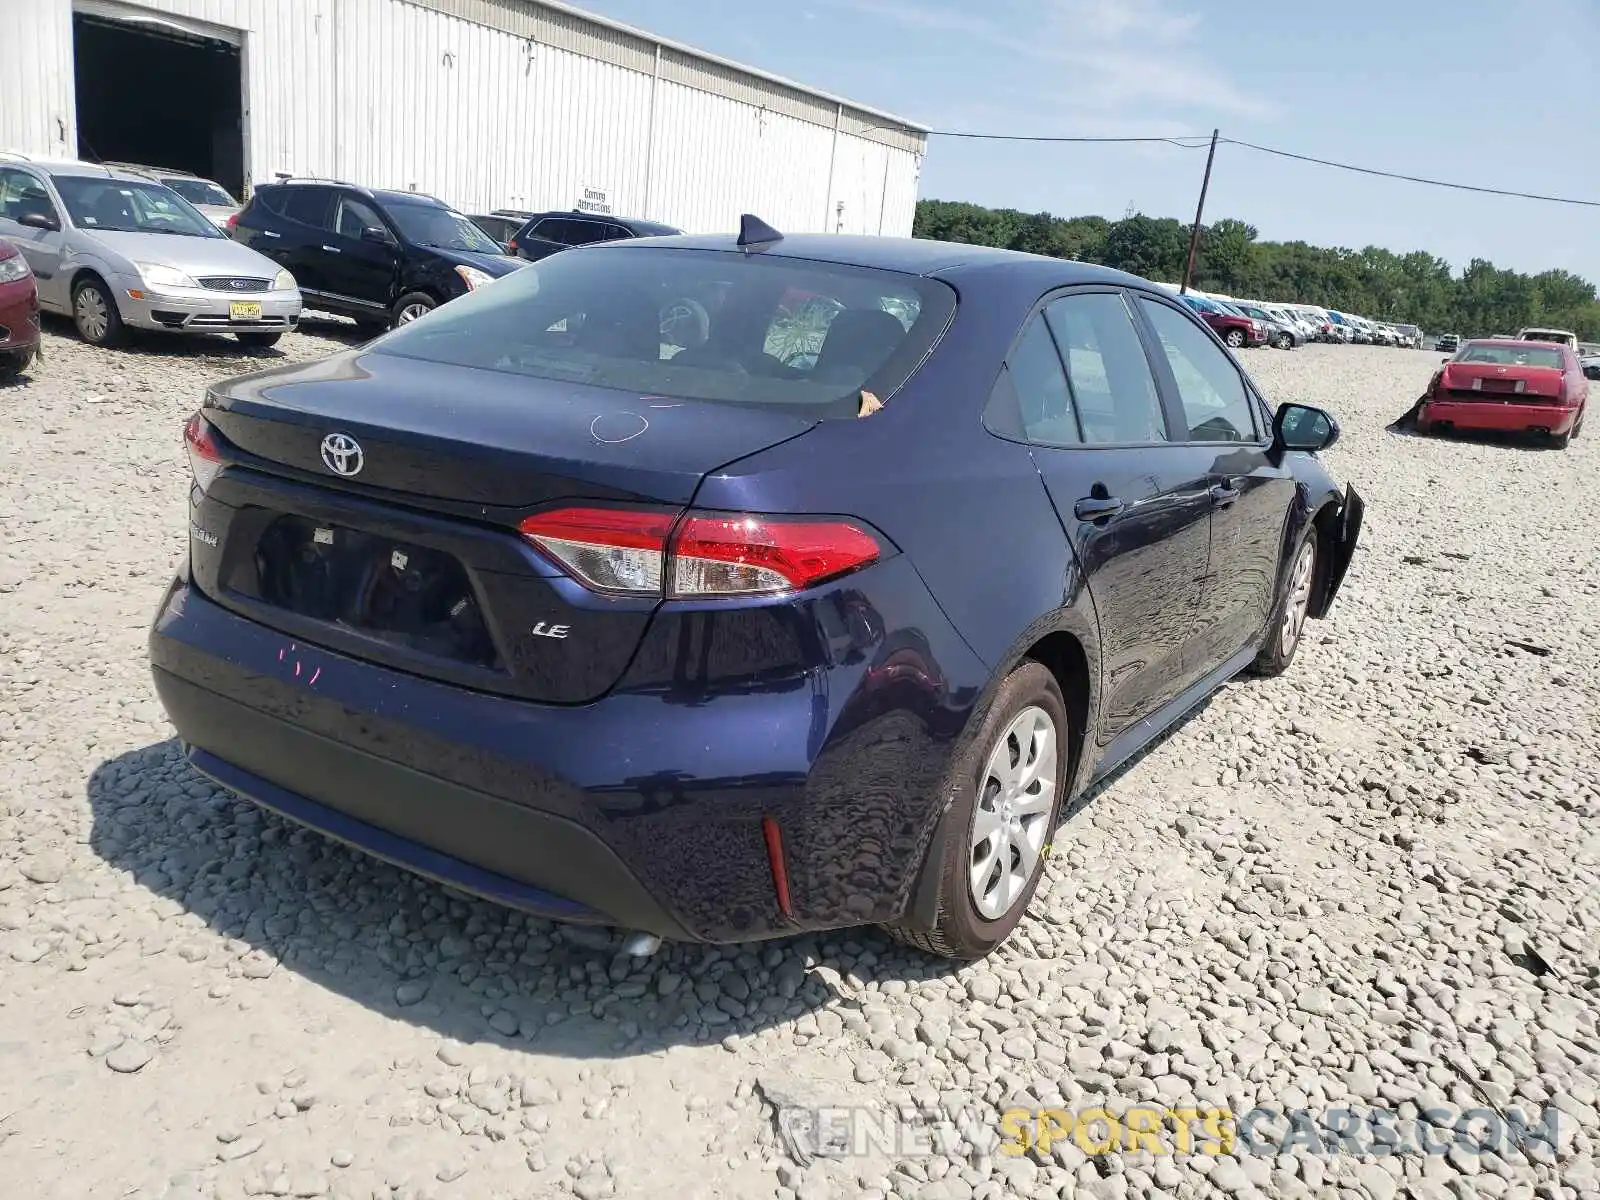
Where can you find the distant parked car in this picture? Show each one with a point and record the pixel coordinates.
(19, 312)
(1448, 342)
(210, 198)
(1232, 326)
(1564, 337)
(740, 669)
(115, 251)
(1519, 387)
(381, 257)
(502, 225)
(1410, 336)
(544, 234)
(1282, 333)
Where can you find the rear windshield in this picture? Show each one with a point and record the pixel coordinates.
(1546, 335)
(1512, 354)
(694, 325)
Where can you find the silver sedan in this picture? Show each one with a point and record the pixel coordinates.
(117, 251)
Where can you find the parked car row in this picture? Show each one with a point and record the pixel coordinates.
(1287, 326)
(120, 246)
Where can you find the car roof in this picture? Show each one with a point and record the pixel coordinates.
(633, 224)
(383, 195)
(69, 169)
(910, 256)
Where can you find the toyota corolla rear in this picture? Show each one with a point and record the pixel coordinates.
(1511, 387)
(449, 598)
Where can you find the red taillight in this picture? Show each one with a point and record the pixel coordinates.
(707, 554)
(511, 246)
(233, 221)
(205, 459)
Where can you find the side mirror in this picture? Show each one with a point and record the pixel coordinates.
(39, 220)
(1301, 427)
(377, 233)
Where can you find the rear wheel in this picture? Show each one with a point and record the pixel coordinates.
(1290, 614)
(1559, 441)
(258, 341)
(1006, 794)
(95, 313)
(411, 306)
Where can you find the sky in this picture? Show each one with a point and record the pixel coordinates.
(1462, 90)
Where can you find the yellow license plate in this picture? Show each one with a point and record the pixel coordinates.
(243, 310)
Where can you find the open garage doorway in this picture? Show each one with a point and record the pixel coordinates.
(150, 91)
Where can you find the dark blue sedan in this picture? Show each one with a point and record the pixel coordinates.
(721, 589)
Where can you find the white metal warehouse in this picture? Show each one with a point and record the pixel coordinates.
(483, 103)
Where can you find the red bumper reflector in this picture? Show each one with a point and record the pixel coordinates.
(780, 873)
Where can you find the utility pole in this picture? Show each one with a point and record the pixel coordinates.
(1194, 234)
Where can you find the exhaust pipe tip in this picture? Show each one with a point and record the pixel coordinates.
(640, 945)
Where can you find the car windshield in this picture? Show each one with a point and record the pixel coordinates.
(440, 227)
(694, 325)
(1512, 354)
(1545, 335)
(201, 191)
(123, 206)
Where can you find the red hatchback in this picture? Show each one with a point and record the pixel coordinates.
(19, 312)
(1510, 386)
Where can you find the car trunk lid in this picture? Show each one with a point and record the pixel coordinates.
(412, 558)
(1503, 382)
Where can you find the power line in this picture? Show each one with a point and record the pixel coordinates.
(1199, 142)
(1460, 187)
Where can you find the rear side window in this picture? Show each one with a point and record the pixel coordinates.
(695, 325)
(1115, 392)
(1040, 386)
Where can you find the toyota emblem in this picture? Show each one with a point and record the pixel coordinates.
(342, 454)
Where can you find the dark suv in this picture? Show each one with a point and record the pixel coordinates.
(382, 257)
(546, 233)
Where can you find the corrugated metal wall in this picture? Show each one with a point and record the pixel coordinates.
(36, 77)
(521, 106)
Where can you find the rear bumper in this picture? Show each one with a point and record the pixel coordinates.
(642, 810)
(1494, 415)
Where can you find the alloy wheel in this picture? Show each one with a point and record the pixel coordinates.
(1299, 602)
(1010, 821)
(411, 312)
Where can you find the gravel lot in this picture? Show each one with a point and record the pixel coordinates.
(1375, 881)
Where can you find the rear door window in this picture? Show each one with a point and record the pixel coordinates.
(311, 206)
(698, 325)
(1115, 393)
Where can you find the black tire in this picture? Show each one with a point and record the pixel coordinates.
(960, 930)
(14, 362)
(413, 305)
(258, 341)
(1559, 441)
(1284, 342)
(1235, 339)
(1275, 657)
(94, 313)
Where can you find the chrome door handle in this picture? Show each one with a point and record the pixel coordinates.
(332, 249)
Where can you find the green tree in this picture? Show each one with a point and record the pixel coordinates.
(1416, 288)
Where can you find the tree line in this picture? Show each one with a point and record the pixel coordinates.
(1416, 288)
